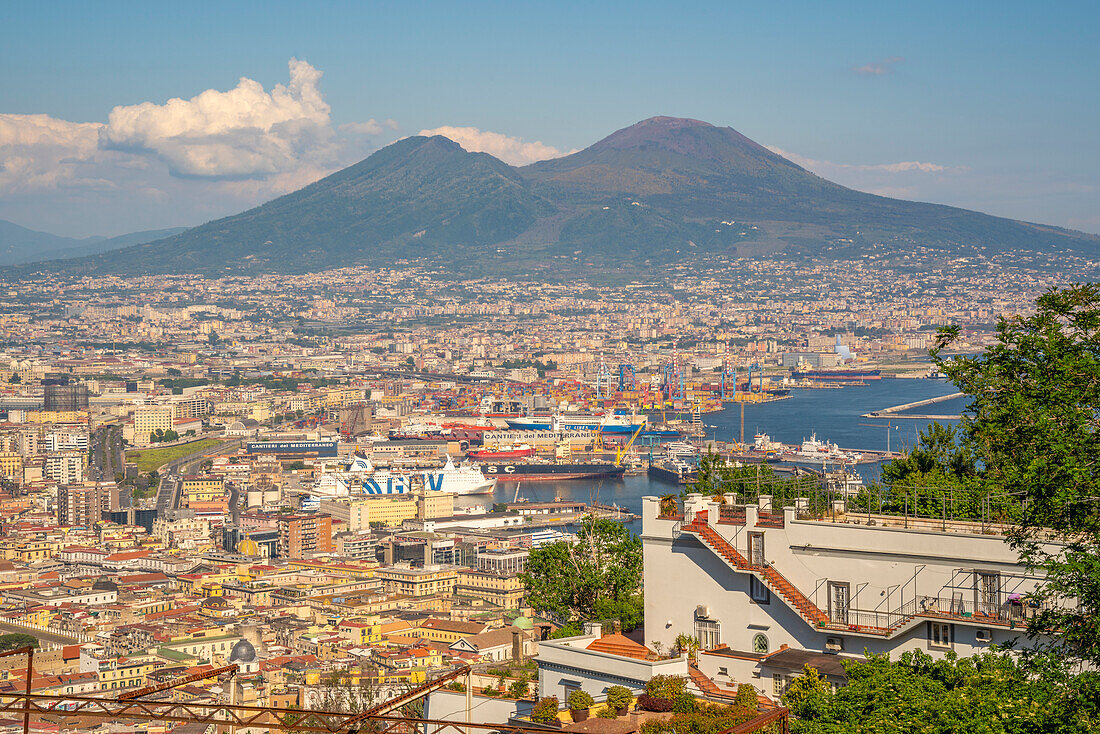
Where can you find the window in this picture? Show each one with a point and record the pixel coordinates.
(760, 644)
(777, 684)
(756, 549)
(758, 591)
(708, 632)
(939, 634)
(838, 602)
(987, 591)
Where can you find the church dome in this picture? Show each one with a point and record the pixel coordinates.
(104, 584)
(242, 652)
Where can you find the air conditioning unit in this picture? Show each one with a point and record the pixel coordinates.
(835, 644)
(983, 635)
(702, 612)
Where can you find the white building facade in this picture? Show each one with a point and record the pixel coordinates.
(750, 584)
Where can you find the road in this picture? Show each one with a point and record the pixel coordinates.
(105, 449)
(171, 475)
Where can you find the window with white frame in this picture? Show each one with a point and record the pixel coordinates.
(708, 632)
(777, 684)
(939, 634)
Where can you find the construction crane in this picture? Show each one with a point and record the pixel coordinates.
(627, 377)
(621, 451)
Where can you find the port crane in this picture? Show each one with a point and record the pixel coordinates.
(621, 451)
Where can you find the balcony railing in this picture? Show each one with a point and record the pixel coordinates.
(1010, 613)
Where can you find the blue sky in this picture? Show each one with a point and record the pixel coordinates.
(991, 106)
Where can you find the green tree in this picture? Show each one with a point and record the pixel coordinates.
(991, 693)
(17, 640)
(808, 695)
(576, 580)
(1033, 427)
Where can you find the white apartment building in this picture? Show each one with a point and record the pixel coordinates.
(766, 591)
(64, 467)
(67, 440)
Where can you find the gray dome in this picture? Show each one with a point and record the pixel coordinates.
(242, 652)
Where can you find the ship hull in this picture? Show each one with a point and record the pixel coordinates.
(517, 471)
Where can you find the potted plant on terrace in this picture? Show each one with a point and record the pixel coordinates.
(619, 699)
(579, 704)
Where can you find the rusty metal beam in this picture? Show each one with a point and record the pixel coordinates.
(282, 719)
(177, 682)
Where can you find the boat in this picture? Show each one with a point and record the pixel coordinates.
(680, 448)
(549, 472)
(361, 477)
(606, 423)
(763, 442)
(509, 452)
(837, 375)
(814, 451)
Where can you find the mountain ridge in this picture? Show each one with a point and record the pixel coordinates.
(660, 190)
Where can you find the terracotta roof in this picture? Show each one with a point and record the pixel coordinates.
(621, 645)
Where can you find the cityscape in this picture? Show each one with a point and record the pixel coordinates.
(452, 431)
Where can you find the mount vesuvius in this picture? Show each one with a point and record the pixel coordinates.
(662, 190)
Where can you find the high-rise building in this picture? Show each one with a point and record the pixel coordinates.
(304, 533)
(64, 467)
(66, 398)
(84, 504)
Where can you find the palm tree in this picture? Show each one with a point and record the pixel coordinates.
(668, 504)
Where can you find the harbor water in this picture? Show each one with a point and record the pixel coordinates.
(835, 415)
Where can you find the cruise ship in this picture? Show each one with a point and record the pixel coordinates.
(607, 423)
(362, 477)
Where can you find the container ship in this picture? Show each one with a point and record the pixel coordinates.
(837, 375)
(503, 453)
(547, 472)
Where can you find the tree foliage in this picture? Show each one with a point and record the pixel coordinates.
(1033, 425)
(597, 576)
(16, 640)
(990, 693)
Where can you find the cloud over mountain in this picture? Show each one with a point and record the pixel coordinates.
(242, 133)
(514, 151)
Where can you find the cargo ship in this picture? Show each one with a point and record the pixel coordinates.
(502, 453)
(539, 472)
(837, 375)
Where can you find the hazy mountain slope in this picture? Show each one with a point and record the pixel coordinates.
(417, 197)
(19, 245)
(658, 191)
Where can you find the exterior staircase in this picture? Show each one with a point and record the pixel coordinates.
(775, 581)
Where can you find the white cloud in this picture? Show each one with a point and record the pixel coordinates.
(243, 133)
(878, 68)
(41, 152)
(514, 151)
(823, 168)
(369, 128)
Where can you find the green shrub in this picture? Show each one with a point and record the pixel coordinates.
(666, 686)
(546, 710)
(684, 704)
(519, 688)
(607, 713)
(488, 691)
(579, 699)
(619, 697)
(746, 696)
